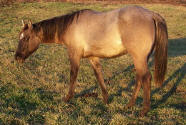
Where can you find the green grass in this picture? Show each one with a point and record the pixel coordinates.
(31, 93)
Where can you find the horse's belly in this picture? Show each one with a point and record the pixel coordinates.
(105, 49)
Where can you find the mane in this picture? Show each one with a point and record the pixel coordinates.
(55, 25)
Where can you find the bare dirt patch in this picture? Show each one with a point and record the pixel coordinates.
(173, 2)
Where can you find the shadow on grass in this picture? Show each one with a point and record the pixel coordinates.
(118, 93)
(179, 75)
(177, 47)
(18, 102)
(86, 91)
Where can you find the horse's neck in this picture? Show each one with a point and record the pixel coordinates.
(50, 36)
(53, 30)
(47, 36)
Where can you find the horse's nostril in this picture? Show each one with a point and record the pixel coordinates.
(16, 56)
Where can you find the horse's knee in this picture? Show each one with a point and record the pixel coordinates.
(148, 77)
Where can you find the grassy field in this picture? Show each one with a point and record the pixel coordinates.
(31, 93)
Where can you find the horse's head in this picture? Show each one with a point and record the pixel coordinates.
(28, 42)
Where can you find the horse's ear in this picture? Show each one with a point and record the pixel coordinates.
(23, 23)
(30, 24)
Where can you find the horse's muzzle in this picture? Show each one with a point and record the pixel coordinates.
(19, 59)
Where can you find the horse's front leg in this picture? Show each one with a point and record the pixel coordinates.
(74, 63)
(98, 73)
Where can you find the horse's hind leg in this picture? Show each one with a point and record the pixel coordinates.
(146, 93)
(143, 77)
(98, 73)
(135, 92)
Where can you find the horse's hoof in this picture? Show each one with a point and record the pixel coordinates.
(105, 98)
(143, 112)
(129, 105)
(66, 99)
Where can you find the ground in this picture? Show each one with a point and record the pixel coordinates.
(31, 93)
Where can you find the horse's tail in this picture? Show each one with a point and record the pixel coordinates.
(161, 45)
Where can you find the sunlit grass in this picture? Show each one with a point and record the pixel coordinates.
(31, 93)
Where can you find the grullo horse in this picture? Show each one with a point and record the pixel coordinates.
(94, 35)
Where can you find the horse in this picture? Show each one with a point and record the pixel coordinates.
(94, 35)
